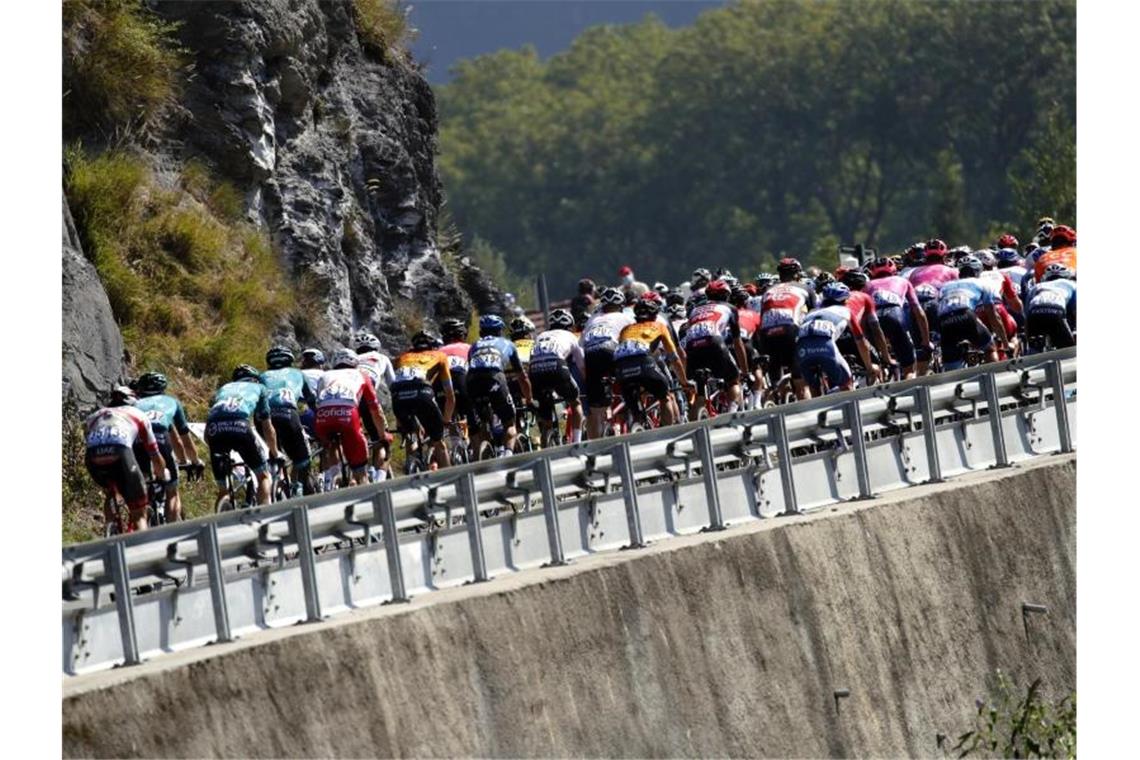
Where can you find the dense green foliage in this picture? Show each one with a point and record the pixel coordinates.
(1011, 725)
(765, 128)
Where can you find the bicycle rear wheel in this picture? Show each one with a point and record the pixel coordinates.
(486, 451)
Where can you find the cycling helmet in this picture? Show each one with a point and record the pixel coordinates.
(580, 319)
(926, 293)
(315, 355)
(1044, 232)
(661, 289)
(766, 280)
(612, 297)
(122, 395)
(644, 311)
(836, 292)
(986, 256)
(150, 383)
(738, 296)
(245, 372)
(700, 278)
(560, 319)
(1007, 241)
(789, 266)
(934, 248)
(1063, 236)
(491, 324)
(854, 279)
(697, 299)
(675, 311)
(1057, 271)
(969, 266)
(882, 268)
(675, 299)
(425, 341)
(1008, 257)
(914, 255)
(452, 330)
(718, 290)
(342, 357)
(729, 279)
(278, 356)
(822, 279)
(521, 327)
(366, 342)
(1046, 220)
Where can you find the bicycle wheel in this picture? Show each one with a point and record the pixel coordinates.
(486, 451)
(551, 438)
(224, 504)
(458, 452)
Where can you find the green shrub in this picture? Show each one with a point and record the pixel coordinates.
(1009, 725)
(121, 65)
(382, 26)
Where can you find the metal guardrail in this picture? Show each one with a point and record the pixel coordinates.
(218, 578)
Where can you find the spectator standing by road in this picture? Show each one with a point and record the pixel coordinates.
(630, 284)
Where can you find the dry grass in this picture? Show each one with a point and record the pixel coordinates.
(382, 26)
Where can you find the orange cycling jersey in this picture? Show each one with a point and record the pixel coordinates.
(642, 338)
(426, 366)
(1066, 256)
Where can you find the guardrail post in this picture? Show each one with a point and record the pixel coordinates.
(703, 440)
(929, 434)
(624, 464)
(304, 537)
(545, 479)
(470, 498)
(787, 478)
(382, 503)
(1061, 405)
(993, 404)
(862, 474)
(210, 550)
(117, 560)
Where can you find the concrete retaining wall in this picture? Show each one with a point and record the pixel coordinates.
(714, 645)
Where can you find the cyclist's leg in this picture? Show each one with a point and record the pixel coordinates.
(173, 498)
(957, 326)
(220, 443)
(599, 366)
(254, 454)
(504, 408)
(896, 328)
(291, 439)
(430, 417)
(727, 371)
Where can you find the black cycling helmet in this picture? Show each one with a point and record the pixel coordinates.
(855, 279)
(150, 383)
(560, 319)
(580, 319)
(521, 327)
(453, 330)
(612, 297)
(739, 296)
(823, 278)
(699, 278)
(674, 299)
(425, 341)
(645, 311)
(245, 372)
(122, 395)
(278, 356)
(365, 342)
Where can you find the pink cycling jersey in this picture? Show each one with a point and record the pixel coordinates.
(892, 291)
(933, 274)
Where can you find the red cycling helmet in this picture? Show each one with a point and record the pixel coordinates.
(1007, 241)
(935, 247)
(752, 289)
(718, 290)
(652, 296)
(1063, 237)
(882, 268)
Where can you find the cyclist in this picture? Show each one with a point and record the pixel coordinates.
(749, 325)
(455, 345)
(413, 392)
(171, 430)
(228, 429)
(958, 300)
(1062, 250)
(635, 363)
(862, 308)
(912, 258)
(791, 270)
(599, 340)
(522, 335)
(933, 270)
(556, 370)
(711, 329)
(1052, 309)
(586, 299)
(113, 435)
(287, 388)
(487, 363)
(378, 368)
(580, 320)
(1007, 302)
(899, 313)
(816, 349)
(344, 395)
(782, 309)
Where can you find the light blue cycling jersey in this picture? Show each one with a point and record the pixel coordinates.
(1053, 295)
(239, 400)
(286, 387)
(164, 412)
(958, 295)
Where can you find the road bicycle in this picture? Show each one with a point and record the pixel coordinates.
(241, 486)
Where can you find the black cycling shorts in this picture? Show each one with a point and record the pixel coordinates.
(491, 386)
(224, 436)
(413, 403)
(462, 398)
(550, 382)
(1051, 323)
(779, 344)
(167, 451)
(896, 327)
(369, 426)
(715, 357)
(635, 373)
(962, 325)
(117, 467)
(290, 434)
(599, 373)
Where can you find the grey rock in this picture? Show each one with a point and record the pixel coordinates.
(92, 344)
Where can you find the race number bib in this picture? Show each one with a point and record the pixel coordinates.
(820, 328)
(630, 348)
(487, 357)
(776, 318)
(887, 298)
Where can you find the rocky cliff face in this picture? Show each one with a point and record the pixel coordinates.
(332, 143)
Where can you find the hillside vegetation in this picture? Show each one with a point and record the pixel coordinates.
(765, 128)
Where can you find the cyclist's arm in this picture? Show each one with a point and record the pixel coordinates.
(307, 394)
(737, 343)
(265, 424)
(157, 463)
(368, 396)
(995, 323)
(524, 382)
(448, 389)
(872, 327)
(864, 350)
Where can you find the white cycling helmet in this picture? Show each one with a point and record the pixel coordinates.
(342, 357)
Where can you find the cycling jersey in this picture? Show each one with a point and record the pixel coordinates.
(602, 330)
(345, 387)
(711, 322)
(862, 307)
(830, 322)
(312, 378)
(932, 274)
(892, 291)
(1016, 274)
(524, 347)
(816, 350)
(749, 322)
(286, 387)
(783, 304)
(999, 283)
(493, 353)
(340, 395)
(239, 400)
(1065, 256)
(1054, 295)
(643, 338)
(164, 412)
(119, 426)
(555, 346)
(423, 367)
(960, 295)
(457, 355)
(377, 367)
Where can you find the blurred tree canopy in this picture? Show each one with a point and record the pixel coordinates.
(765, 129)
